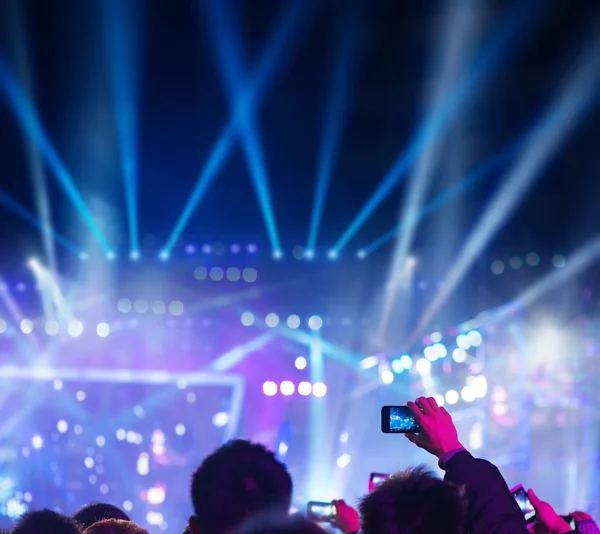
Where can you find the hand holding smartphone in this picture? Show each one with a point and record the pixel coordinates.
(524, 503)
(375, 479)
(398, 420)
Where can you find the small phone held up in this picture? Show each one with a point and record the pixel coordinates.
(524, 503)
(320, 512)
(375, 479)
(398, 420)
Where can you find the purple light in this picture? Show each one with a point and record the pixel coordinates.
(270, 388)
(287, 388)
(304, 388)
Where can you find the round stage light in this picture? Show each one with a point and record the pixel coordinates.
(516, 262)
(124, 305)
(430, 353)
(497, 267)
(37, 442)
(83, 256)
(397, 366)
(277, 254)
(559, 261)
(140, 306)
(103, 330)
(300, 363)
(459, 355)
(176, 307)
(293, 321)
(220, 419)
(309, 254)
(272, 320)
(467, 394)
(315, 322)
(479, 386)
(423, 366)
(250, 275)
(251, 248)
(75, 328)
(270, 388)
(80, 395)
(52, 327)
(159, 307)
(127, 506)
(287, 388)
(134, 255)
(463, 342)
(200, 273)
(440, 350)
(406, 361)
(247, 318)
(304, 388)
(27, 326)
(452, 397)
(206, 249)
(62, 426)
(333, 254)
(436, 337)
(319, 389)
(387, 377)
(111, 255)
(474, 338)
(180, 429)
(217, 274)
(233, 274)
(361, 254)
(532, 259)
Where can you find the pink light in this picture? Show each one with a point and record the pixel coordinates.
(319, 389)
(304, 388)
(287, 388)
(270, 388)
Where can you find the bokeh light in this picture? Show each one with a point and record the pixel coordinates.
(293, 321)
(319, 389)
(315, 322)
(272, 320)
(304, 388)
(452, 396)
(287, 388)
(270, 388)
(300, 363)
(247, 318)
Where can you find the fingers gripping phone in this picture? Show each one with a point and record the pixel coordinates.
(398, 420)
(320, 512)
(375, 479)
(524, 503)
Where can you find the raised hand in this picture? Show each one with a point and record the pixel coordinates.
(346, 518)
(547, 520)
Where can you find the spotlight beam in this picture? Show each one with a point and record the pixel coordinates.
(560, 120)
(344, 59)
(27, 117)
(436, 122)
(121, 26)
(251, 98)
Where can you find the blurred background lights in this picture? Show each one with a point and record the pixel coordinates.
(300, 363)
(559, 261)
(154, 518)
(459, 355)
(103, 330)
(140, 306)
(249, 275)
(479, 386)
(474, 338)
(100, 441)
(406, 361)
(436, 337)
(293, 321)
(287, 388)
(3, 326)
(315, 322)
(52, 327)
(369, 361)
(467, 394)
(272, 320)
(430, 354)
(423, 366)
(176, 307)
(75, 328)
(440, 350)
(387, 377)
(439, 399)
(319, 389)
(452, 397)
(27, 326)
(78, 429)
(497, 267)
(57, 384)
(532, 259)
(62, 426)
(220, 419)
(233, 274)
(247, 318)
(37, 442)
(463, 342)
(156, 495)
(159, 307)
(397, 366)
(180, 429)
(80, 395)
(124, 305)
(201, 273)
(277, 254)
(270, 388)
(304, 388)
(127, 506)
(89, 462)
(143, 464)
(344, 460)
(121, 434)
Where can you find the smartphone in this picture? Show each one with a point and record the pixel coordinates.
(320, 512)
(524, 503)
(398, 420)
(570, 521)
(375, 479)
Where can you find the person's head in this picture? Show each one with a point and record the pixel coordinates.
(289, 525)
(46, 522)
(235, 483)
(97, 511)
(115, 526)
(413, 501)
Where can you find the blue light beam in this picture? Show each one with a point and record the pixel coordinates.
(344, 60)
(121, 26)
(30, 123)
(251, 98)
(436, 121)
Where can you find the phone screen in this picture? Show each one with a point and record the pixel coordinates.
(524, 503)
(320, 512)
(398, 420)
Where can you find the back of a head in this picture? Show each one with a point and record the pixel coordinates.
(115, 526)
(413, 501)
(236, 482)
(97, 511)
(46, 522)
(290, 525)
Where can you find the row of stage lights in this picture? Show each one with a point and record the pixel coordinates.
(287, 388)
(272, 320)
(532, 260)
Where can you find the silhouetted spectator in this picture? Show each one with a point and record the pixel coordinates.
(237, 482)
(115, 526)
(94, 512)
(46, 522)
